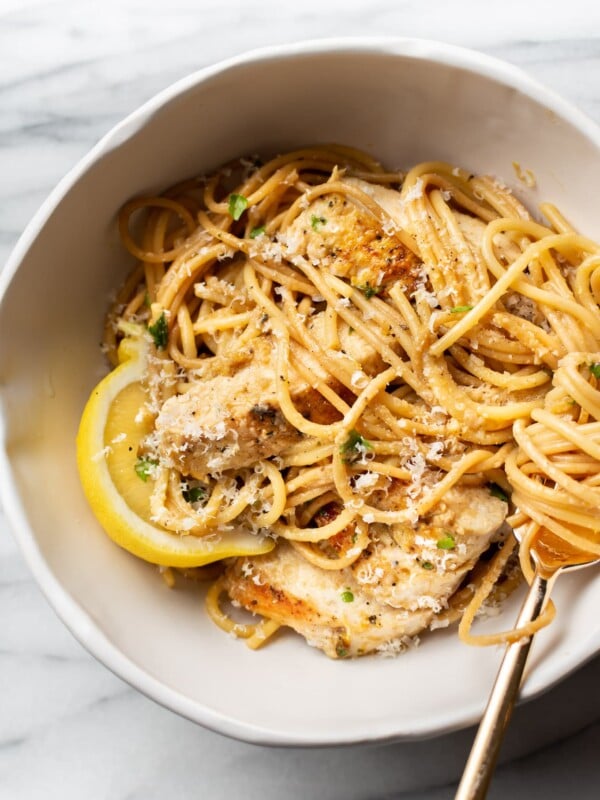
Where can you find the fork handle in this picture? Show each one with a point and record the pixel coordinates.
(490, 734)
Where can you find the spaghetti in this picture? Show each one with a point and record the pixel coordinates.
(415, 330)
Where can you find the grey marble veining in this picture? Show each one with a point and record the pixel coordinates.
(69, 70)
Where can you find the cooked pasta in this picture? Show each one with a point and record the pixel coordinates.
(351, 359)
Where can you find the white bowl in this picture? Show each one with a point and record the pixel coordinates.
(402, 100)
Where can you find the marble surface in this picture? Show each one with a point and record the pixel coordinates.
(69, 70)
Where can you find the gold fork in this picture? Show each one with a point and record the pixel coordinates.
(552, 556)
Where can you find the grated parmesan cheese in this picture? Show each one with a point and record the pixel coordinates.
(366, 481)
(394, 647)
(415, 192)
(359, 380)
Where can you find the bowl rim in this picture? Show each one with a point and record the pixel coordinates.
(81, 624)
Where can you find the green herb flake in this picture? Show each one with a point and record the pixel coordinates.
(195, 494)
(427, 565)
(347, 596)
(317, 222)
(147, 299)
(354, 446)
(368, 290)
(460, 309)
(160, 331)
(498, 491)
(258, 231)
(237, 205)
(341, 652)
(144, 467)
(446, 542)
(595, 369)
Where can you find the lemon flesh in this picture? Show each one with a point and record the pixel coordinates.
(110, 432)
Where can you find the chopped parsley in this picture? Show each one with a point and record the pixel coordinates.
(258, 231)
(460, 309)
(347, 596)
(498, 491)
(427, 565)
(144, 467)
(354, 446)
(446, 542)
(237, 205)
(316, 222)
(147, 299)
(340, 651)
(595, 369)
(195, 494)
(160, 331)
(368, 290)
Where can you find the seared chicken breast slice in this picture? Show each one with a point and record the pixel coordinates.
(343, 237)
(233, 420)
(394, 590)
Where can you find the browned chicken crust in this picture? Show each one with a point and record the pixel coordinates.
(398, 586)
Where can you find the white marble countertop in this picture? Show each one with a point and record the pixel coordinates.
(69, 729)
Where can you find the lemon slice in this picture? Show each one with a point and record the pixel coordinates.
(107, 450)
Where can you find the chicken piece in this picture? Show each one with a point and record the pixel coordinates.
(343, 237)
(394, 590)
(472, 228)
(354, 351)
(233, 420)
